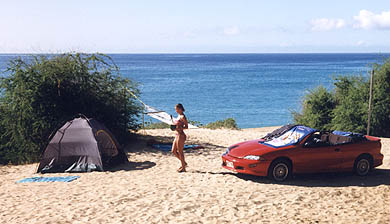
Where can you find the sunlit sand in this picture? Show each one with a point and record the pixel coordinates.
(149, 190)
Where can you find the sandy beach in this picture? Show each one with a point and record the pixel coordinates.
(149, 190)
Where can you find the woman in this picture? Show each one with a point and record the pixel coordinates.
(178, 144)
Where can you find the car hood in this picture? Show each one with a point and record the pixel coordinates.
(249, 148)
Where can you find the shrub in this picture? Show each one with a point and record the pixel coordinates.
(346, 107)
(351, 112)
(317, 109)
(228, 123)
(380, 119)
(159, 125)
(156, 125)
(40, 93)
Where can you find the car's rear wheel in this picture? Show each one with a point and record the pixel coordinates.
(363, 165)
(280, 170)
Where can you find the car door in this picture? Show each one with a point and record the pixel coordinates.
(317, 158)
(348, 152)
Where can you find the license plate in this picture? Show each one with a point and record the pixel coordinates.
(229, 164)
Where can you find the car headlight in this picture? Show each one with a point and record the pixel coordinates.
(252, 157)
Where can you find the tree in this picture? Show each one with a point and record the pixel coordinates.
(40, 93)
(351, 109)
(346, 107)
(380, 119)
(317, 109)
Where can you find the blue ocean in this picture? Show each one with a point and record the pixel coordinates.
(257, 90)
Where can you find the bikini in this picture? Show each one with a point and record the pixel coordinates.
(179, 128)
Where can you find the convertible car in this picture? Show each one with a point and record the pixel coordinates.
(299, 149)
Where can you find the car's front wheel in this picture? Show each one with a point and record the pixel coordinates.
(280, 170)
(362, 165)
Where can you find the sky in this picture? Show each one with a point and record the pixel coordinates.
(201, 26)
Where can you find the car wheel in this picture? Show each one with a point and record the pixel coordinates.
(279, 170)
(362, 165)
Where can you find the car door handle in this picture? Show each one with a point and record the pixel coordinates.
(337, 150)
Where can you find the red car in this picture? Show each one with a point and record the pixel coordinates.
(299, 149)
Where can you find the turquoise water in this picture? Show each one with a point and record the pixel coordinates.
(256, 89)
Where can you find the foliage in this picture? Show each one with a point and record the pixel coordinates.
(156, 125)
(380, 120)
(317, 109)
(351, 112)
(346, 107)
(40, 93)
(159, 125)
(195, 123)
(228, 123)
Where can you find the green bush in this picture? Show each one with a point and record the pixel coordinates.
(317, 109)
(228, 123)
(380, 120)
(351, 112)
(156, 125)
(39, 93)
(159, 125)
(346, 106)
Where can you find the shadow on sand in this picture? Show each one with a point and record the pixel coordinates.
(143, 145)
(375, 178)
(128, 166)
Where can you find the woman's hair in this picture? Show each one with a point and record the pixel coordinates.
(180, 106)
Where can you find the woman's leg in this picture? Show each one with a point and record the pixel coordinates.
(180, 148)
(174, 148)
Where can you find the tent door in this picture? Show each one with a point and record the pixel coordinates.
(106, 144)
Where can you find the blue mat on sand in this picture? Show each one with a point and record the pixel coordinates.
(168, 147)
(48, 179)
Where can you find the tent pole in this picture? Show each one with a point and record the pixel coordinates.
(370, 103)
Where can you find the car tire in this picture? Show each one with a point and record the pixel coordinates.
(279, 170)
(363, 165)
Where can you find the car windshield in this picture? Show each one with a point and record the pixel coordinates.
(293, 136)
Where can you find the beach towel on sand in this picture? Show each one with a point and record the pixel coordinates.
(168, 147)
(48, 179)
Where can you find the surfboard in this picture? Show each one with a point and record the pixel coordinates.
(162, 116)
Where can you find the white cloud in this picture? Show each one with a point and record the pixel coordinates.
(369, 20)
(230, 31)
(325, 24)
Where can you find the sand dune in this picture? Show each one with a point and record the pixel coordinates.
(149, 190)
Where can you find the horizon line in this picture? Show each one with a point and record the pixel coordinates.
(97, 52)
